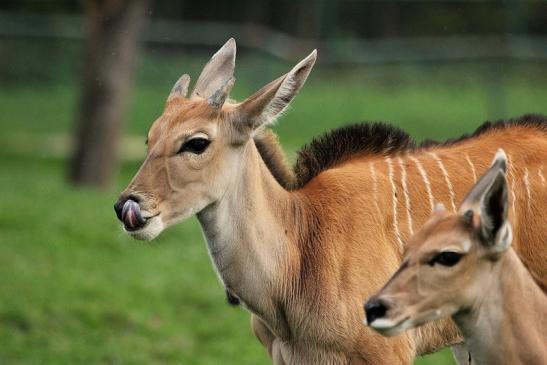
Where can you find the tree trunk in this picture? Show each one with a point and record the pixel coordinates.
(112, 29)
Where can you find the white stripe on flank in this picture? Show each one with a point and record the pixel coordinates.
(426, 181)
(511, 185)
(394, 199)
(527, 185)
(540, 174)
(407, 197)
(446, 179)
(472, 167)
(374, 187)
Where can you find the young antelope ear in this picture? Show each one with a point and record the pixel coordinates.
(473, 198)
(269, 102)
(500, 160)
(489, 198)
(494, 225)
(217, 74)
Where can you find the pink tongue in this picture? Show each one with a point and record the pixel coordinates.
(131, 218)
(130, 214)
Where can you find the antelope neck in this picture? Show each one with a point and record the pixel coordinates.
(248, 234)
(509, 322)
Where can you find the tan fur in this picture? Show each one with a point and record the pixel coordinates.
(302, 260)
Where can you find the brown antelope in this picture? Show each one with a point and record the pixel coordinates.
(461, 265)
(302, 247)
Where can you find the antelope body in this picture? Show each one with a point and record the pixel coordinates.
(301, 248)
(461, 265)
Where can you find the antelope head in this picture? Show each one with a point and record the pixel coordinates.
(448, 262)
(196, 146)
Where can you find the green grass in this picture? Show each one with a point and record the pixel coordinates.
(74, 289)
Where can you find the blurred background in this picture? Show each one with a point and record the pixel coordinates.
(80, 84)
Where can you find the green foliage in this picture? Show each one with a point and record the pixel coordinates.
(74, 289)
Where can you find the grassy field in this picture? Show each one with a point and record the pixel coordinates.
(75, 290)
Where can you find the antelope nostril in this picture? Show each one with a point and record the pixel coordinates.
(118, 208)
(134, 197)
(374, 309)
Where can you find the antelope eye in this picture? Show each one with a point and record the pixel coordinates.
(195, 145)
(447, 258)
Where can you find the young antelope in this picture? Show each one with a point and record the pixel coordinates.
(462, 265)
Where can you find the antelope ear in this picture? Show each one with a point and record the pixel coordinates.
(489, 199)
(495, 227)
(269, 102)
(218, 72)
(473, 198)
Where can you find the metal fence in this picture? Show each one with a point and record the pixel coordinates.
(339, 50)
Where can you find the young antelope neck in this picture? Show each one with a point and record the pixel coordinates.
(248, 232)
(508, 317)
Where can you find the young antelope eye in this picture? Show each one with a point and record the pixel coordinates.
(446, 258)
(195, 145)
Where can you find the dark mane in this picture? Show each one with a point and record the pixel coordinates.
(342, 144)
(536, 121)
(345, 143)
(268, 146)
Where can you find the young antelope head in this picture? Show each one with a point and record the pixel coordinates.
(448, 262)
(196, 146)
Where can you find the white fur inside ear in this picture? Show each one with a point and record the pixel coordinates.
(288, 89)
(503, 238)
(281, 100)
(500, 160)
(500, 156)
